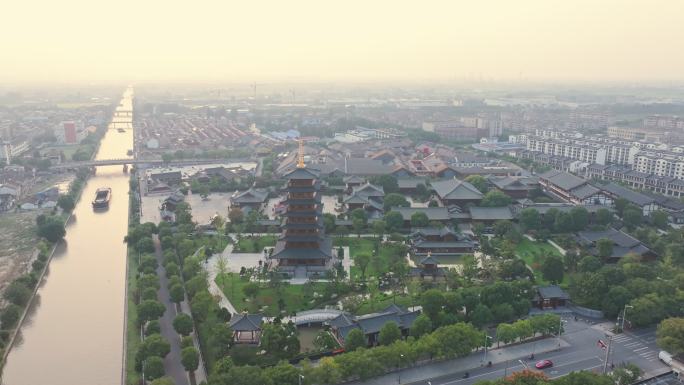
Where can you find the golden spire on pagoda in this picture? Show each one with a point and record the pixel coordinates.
(300, 162)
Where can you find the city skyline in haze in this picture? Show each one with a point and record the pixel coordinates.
(380, 41)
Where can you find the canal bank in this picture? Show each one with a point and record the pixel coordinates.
(72, 331)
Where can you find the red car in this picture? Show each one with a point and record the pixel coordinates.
(543, 364)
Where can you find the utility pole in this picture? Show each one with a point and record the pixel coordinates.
(624, 315)
(605, 363)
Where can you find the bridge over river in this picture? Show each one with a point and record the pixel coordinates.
(151, 162)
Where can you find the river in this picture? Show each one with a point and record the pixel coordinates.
(73, 332)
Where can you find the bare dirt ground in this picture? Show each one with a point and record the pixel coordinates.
(17, 245)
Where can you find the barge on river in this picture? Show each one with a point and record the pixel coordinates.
(102, 197)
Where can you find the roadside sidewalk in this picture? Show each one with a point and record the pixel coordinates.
(428, 370)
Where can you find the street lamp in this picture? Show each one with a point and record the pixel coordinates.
(624, 315)
(560, 329)
(487, 337)
(301, 377)
(399, 371)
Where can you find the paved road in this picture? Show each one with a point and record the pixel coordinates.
(172, 362)
(578, 351)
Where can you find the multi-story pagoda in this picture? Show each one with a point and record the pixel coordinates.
(302, 249)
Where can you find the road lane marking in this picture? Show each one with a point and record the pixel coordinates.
(636, 350)
(585, 369)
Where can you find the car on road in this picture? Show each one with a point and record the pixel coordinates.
(543, 364)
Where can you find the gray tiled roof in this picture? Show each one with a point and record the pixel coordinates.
(562, 179)
(632, 196)
(250, 196)
(246, 322)
(552, 291)
(365, 166)
(433, 213)
(456, 189)
(584, 191)
(491, 213)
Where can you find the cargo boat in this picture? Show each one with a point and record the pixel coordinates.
(102, 197)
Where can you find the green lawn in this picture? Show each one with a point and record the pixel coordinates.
(381, 263)
(132, 330)
(255, 244)
(534, 253)
(296, 297)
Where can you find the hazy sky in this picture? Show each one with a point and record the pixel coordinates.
(222, 40)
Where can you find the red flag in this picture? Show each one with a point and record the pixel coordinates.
(602, 345)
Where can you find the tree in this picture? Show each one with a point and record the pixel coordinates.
(394, 220)
(203, 191)
(421, 326)
(604, 216)
(604, 247)
(149, 310)
(355, 339)
(563, 223)
(251, 289)
(280, 340)
(329, 222)
(177, 293)
(620, 205)
(615, 301)
(324, 341)
(529, 219)
(523, 328)
(389, 333)
(479, 182)
(10, 316)
(432, 302)
(395, 200)
(66, 202)
(154, 367)
(359, 224)
(182, 324)
(361, 260)
(632, 216)
(190, 358)
(670, 335)
(17, 293)
(419, 219)
(552, 269)
(495, 198)
(659, 219)
(163, 381)
(580, 218)
(201, 305)
(283, 373)
(505, 333)
(379, 228)
(52, 230)
(327, 372)
(236, 215)
(481, 316)
(154, 345)
(388, 183)
(589, 264)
